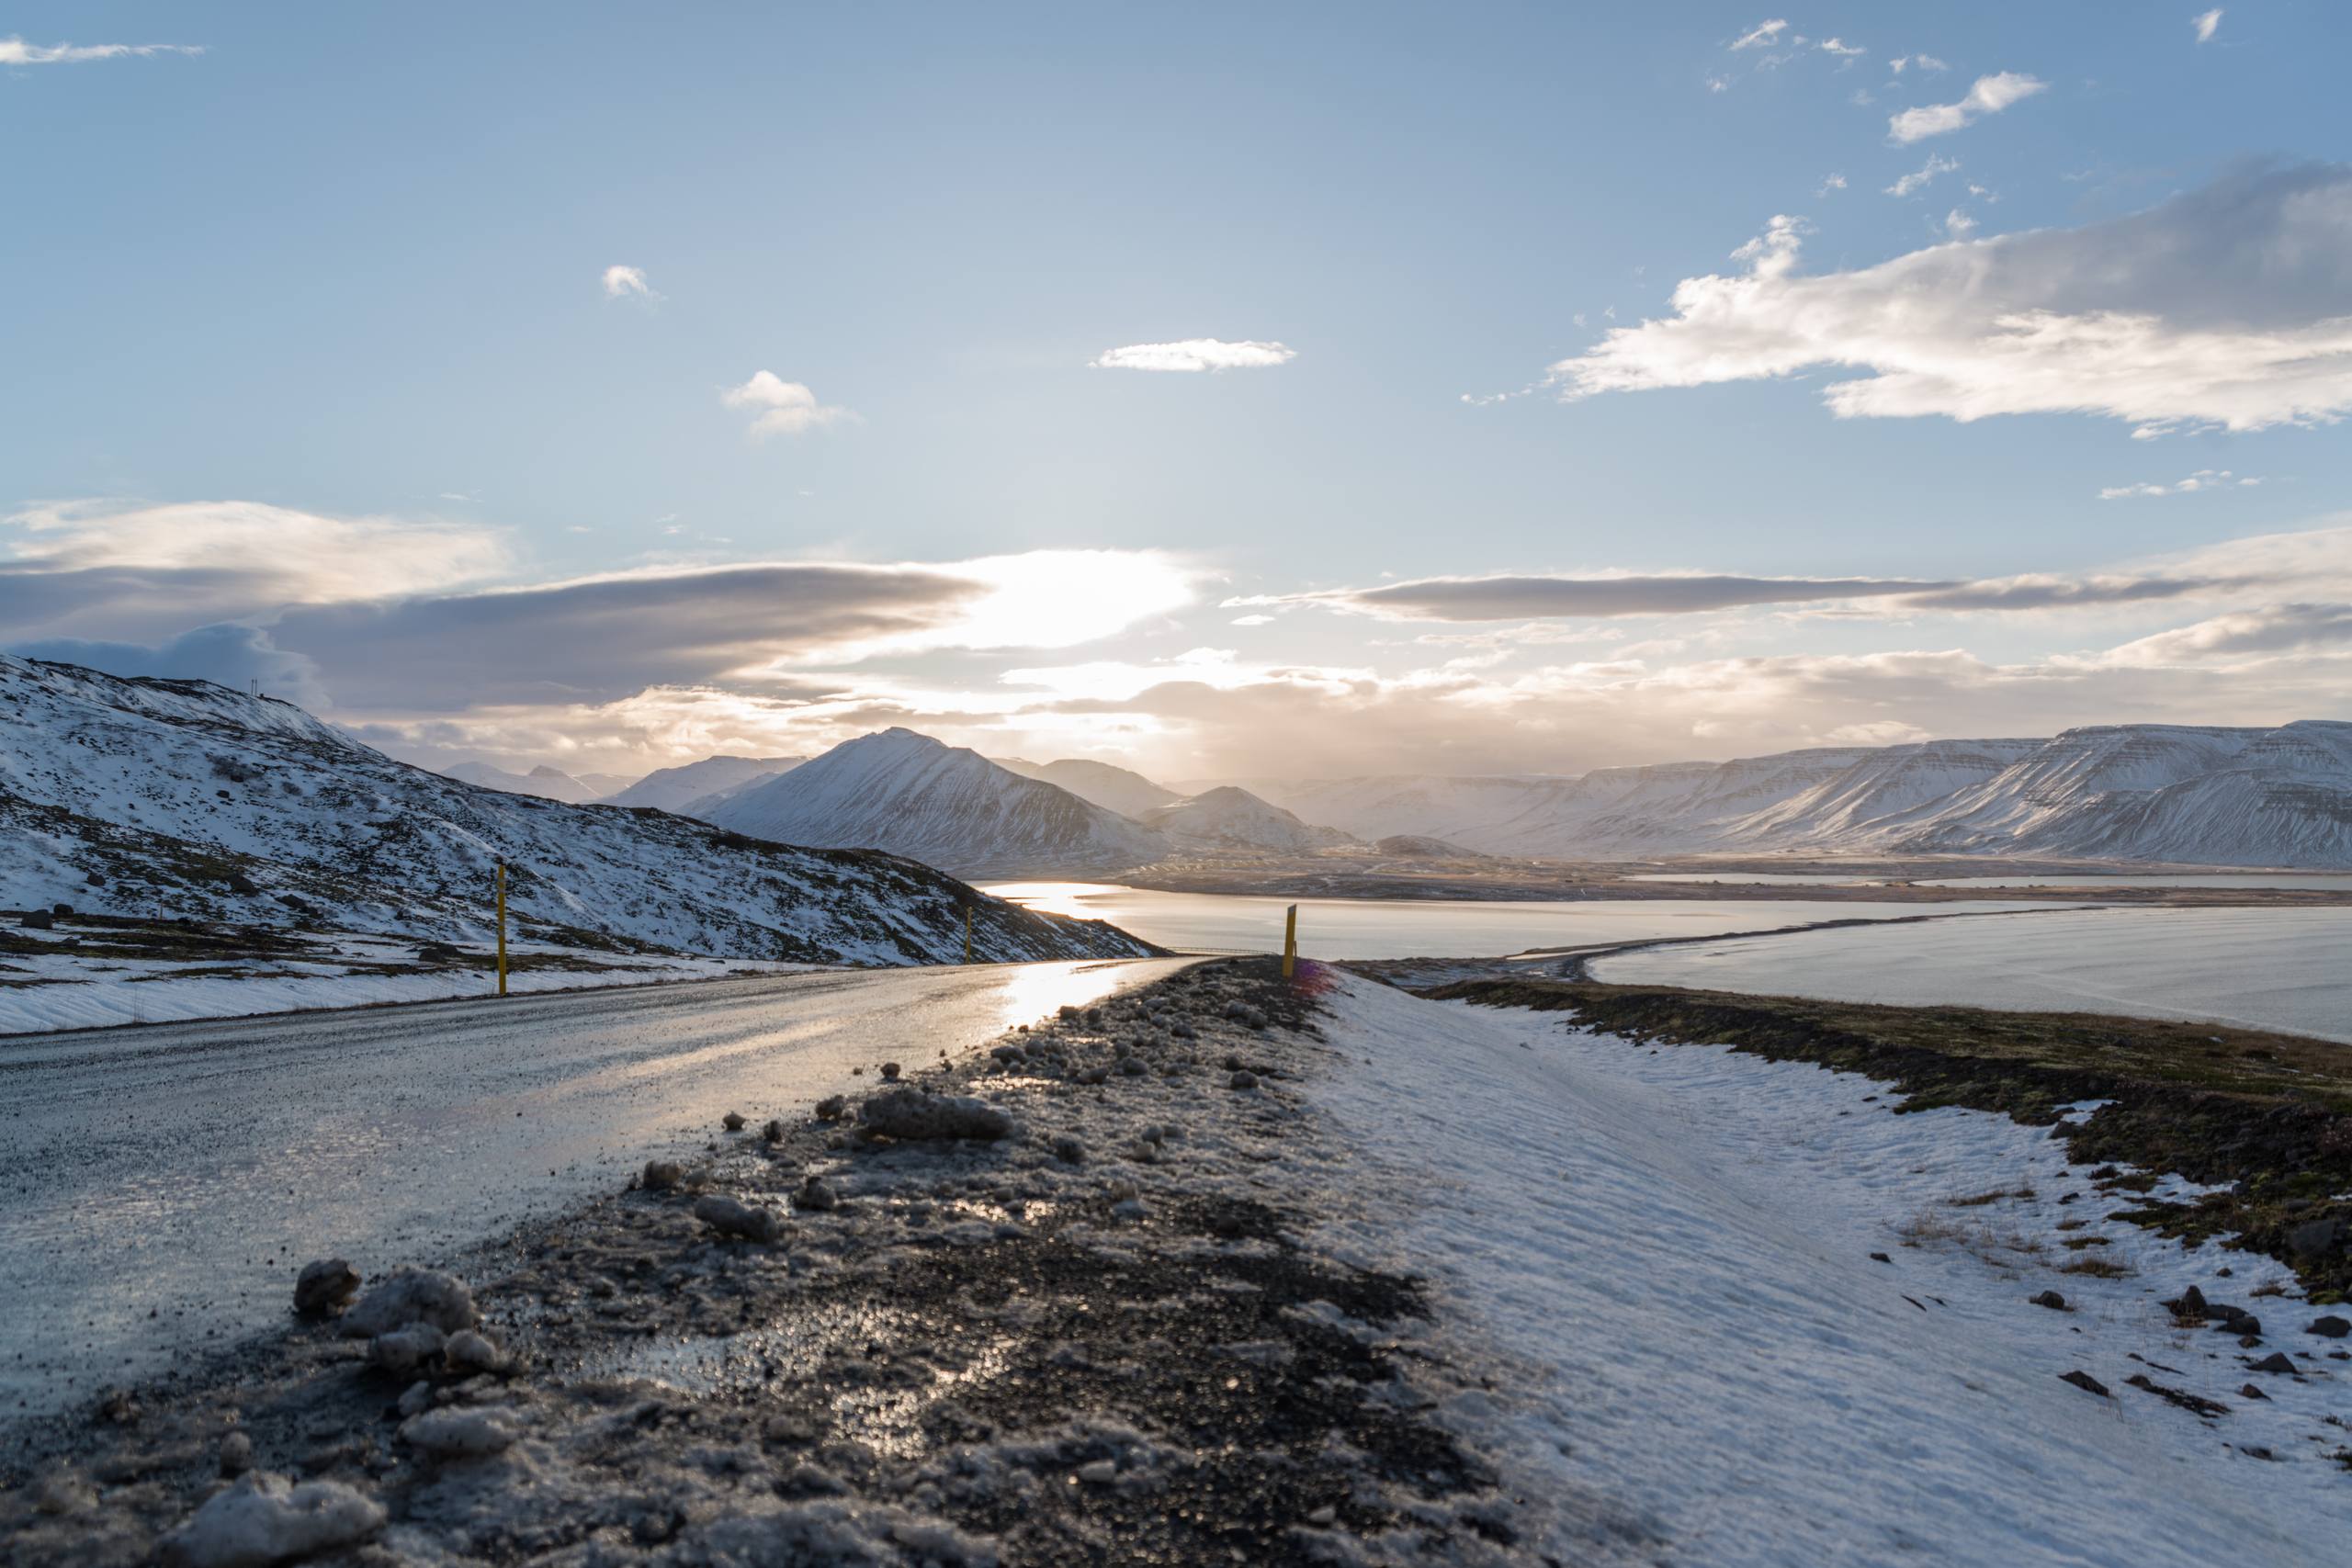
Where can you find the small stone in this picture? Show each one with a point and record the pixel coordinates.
(236, 1455)
(1244, 1079)
(1881, 1258)
(815, 1195)
(412, 1295)
(404, 1351)
(909, 1115)
(458, 1434)
(2251, 1391)
(732, 1120)
(1068, 1150)
(661, 1175)
(2276, 1362)
(469, 1351)
(772, 1132)
(890, 1071)
(1093, 1076)
(416, 1399)
(2188, 1306)
(1098, 1472)
(264, 1520)
(325, 1287)
(832, 1108)
(2330, 1327)
(727, 1217)
(2085, 1382)
(1132, 1067)
(2049, 1299)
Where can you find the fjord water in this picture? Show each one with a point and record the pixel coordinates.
(1415, 928)
(2266, 968)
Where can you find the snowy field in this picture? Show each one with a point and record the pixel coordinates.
(63, 990)
(1677, 1243)
(2281, 969)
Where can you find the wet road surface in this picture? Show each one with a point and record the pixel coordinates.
(159, 1187)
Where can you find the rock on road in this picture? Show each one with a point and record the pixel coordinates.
(160, 1186)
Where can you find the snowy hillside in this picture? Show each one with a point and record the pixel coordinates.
(674, 789)
(1230, 818)
(171, 799)
(1112, 788)
(548, 784)
(2193, 794)
(942, 805)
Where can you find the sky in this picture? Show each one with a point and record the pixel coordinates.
(1224, 391)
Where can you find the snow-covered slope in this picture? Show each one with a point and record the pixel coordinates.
(914, 795)
(1231, 818)
(672, 789)
(546, 783)
(183, 798)
(1112, 788)
(2201, 795)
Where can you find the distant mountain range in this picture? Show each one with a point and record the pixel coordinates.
(548, 784)
(2181, 794)
(712, 779)
(183, 798)
(942, 805)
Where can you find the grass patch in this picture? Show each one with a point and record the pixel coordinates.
(2101, 1267)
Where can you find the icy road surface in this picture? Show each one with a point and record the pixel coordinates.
(160, 1187)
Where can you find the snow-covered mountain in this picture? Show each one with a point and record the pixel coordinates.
(943, 805)
(546, 783)
(1112, 788)
(2185, 794)
(1231, 818)
(168, 799)
(674, 789)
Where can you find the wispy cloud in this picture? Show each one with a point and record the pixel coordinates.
(14, 50)
(2203, 479)
(1762, 35)
(1830, 183)
(628, 283)
(783, 408)
(1841, 49)
(1958, 224)
(1991, 95)
(1197, 354)
(1903, 62)
(1918, 178)
(1520, 598)
(2206, 23)
(2226, 306)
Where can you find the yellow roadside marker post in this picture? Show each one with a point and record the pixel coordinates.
(502, 928)
(1290, 942)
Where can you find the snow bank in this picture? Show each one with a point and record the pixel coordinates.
(1679, 1244)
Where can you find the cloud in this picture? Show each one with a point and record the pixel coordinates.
(2203, 479)
(2206, 22)
(136, 570)
(1924, 173)
(1511, 598)
(14, 50)
(628, 282)
(1830, 183)
(1991, 95)
(2240, 636)
(1761, 35)
(1841, 49)
(2230, 305)
(1924, 61)
(230, 655)
(1958, 224)
(785, 407)
(1194, 355)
